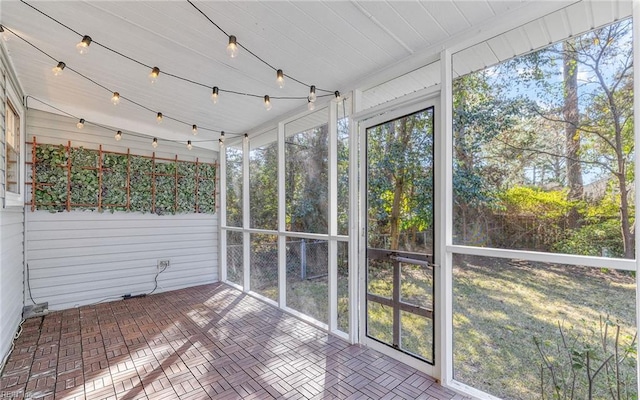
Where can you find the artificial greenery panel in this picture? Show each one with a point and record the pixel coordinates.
(81, 179)
(206, 188)
(165, 188)
(114, 182)
(51, 175)
(140, 197)
(186, 192)
(84, 178)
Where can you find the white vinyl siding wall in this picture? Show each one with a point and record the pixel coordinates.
(11, 239)
(82, 257)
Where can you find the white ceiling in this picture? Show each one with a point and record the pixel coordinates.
(330, 44)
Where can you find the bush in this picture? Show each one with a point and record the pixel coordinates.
(596, 239)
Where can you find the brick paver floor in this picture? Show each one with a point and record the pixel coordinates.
(209, 341)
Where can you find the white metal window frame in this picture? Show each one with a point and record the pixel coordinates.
(13, 199)
(332, 237)
(447, 249)
(443, 369)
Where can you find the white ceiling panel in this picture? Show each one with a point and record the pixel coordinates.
(330, 44)
(572, 20)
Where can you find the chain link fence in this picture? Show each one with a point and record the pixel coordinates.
(306, 260)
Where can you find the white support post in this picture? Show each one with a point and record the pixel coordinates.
(246, 236)
(356, 228)
(282, 239)
(333, 217)
(222, 212)
(443, 224)
(636, 132)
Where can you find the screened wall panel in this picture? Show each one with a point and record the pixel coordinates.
(234, 184)
(306, 174)
(263, 181)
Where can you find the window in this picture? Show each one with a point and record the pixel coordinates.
(13, 156)
(543, 161)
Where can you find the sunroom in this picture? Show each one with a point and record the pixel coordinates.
(307, 199)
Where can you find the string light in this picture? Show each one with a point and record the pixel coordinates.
(189, 145)
(159, 117)
(115, 99)
(221, 137)
(154, 143)
(194, 129)
(153, 75)
(118, 136)
(83, 45)
(311, 105)
(312, 94)
(267, 102)
(280, 78)
(57, 70)
(232, 47)
(4, 34)
(214, 95)
(337, 94)
(80, 123)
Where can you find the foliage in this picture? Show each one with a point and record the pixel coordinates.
(206, 189)
(535, 201)
(114, 182)
(234, 186)
(79, 179)
(140, 194)
(588, 365)
(51, 177)
(263, 186)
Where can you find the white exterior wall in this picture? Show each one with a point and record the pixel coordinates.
(82, 257)
(11, 237)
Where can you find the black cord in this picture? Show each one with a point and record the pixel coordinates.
(98, 43)
(156, 280)
(252, 53)
(29, 285)
(134, 134)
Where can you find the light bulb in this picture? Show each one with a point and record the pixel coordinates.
(118, 135)
(311, 105)
(280, 78)
(80, 123)
(189, 145)
(159, 117)
(83, 45)
(194, 129)
(153, 76)
(214, 95)
(338, 97)
(115, 99)
(57, 70)
(4, 34)
(232, 47)
(154, 143)
(267, 102)
(221, 137)
(312, 94)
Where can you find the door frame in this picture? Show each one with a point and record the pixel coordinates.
(409, 104)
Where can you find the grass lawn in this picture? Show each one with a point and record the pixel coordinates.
(500, 305)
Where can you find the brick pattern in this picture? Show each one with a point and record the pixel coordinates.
(204, 342)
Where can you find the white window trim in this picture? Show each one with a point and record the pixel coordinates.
(16, 199)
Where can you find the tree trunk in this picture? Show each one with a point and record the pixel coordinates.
(571, 118)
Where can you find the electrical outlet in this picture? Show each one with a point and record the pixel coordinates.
(163, 264)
